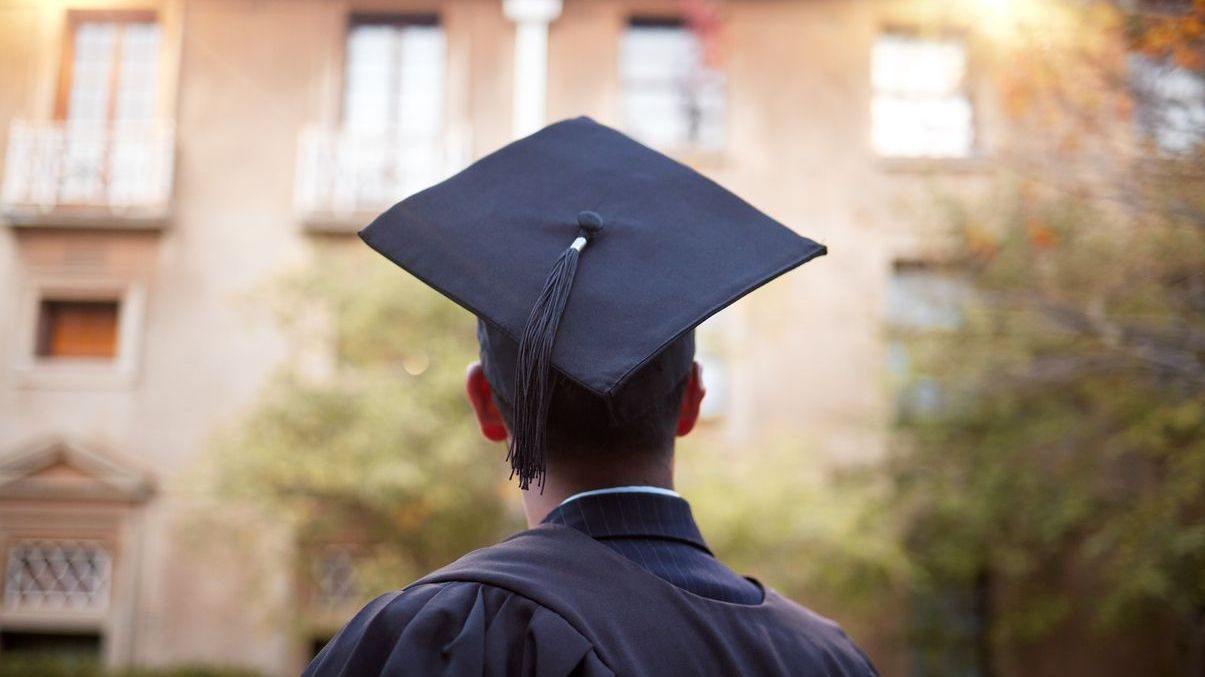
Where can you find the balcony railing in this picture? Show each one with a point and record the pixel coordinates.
(344, 177)
(64, 173)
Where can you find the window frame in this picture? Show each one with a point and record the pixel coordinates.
(66, 619)
(45, 339)
(976, 149)
(104, 592)
(35, 371)
(66, 75)
(915, 394)
(397, 20)
(690, 148)
(106, 534)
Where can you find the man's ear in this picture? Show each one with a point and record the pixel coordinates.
(481, 397)
(688, 415)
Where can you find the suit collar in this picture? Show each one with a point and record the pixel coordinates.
(630, 515)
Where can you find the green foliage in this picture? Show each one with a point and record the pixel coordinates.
(1067, 465)
(44, 665)
(47, 665)
(186, 671)
(372, 443)
(1074, 436)
(822, 537)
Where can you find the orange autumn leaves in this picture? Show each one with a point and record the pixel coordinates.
(983, 245)
(1180, 38)
(1073, 57)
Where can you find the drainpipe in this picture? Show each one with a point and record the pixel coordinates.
(531, 19)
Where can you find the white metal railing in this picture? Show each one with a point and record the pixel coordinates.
(343, 174)
(120, 167)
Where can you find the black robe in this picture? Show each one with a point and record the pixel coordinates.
(554, 601)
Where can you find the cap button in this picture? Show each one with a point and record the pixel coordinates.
(590, 223)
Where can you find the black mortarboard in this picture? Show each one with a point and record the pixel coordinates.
(583, 251)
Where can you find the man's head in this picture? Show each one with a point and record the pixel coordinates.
(596, 256)
(586, 435)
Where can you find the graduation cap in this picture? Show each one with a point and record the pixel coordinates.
(588, 256)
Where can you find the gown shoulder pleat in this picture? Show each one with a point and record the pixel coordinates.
(457, 628)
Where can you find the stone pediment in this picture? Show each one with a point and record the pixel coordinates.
(62, 469)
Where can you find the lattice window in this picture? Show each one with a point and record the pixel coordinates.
(335, 578)
(57, 574)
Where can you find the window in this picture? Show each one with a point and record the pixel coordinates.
(390, 142)
(108, 154)
(113, 71)
(393, 76)
(331, 589)
(947, 625)
(108, 102)
(334, 578)
(1170, 101)
(78, 329)
(670, 98)
(920, 106)
(56, 574)
(62, 645)
(921, 299)
(712, 352)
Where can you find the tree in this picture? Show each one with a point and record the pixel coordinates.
(819, 535)
(1063, 477)
(373, 447)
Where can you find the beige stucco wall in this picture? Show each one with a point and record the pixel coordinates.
(240, 84)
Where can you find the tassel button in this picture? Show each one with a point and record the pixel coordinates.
(590, 223)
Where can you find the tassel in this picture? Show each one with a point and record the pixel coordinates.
(533, 366)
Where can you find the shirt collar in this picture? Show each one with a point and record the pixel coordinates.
(633, 489)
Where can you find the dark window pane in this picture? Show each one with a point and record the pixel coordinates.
(82, 645)
(78, 329)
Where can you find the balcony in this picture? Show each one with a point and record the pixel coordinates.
(344, 178)
(60, 174)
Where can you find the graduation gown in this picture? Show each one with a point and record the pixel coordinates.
(555, 601)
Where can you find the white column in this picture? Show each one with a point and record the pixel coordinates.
(531, 19)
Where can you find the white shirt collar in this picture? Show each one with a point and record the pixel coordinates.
(638, 489)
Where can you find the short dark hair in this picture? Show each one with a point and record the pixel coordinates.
(580, 423)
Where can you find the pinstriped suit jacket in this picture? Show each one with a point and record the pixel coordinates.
(658, 533)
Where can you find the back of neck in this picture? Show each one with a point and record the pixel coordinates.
(561, 482)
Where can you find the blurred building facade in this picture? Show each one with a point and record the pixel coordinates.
(162, 158)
